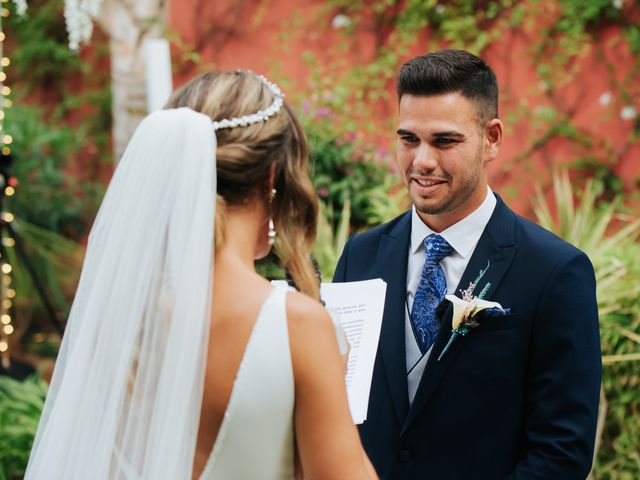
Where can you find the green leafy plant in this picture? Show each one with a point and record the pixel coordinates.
(330, 241)
(56, 262)
(611, 239)
(20, 406)
(53, 210)
(47, 194)
(59, 124)
(42, 56)
(387, 201)
(341, 173)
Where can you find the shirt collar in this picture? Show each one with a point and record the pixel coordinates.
(462, 236)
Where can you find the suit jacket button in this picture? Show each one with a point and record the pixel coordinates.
(404, 456)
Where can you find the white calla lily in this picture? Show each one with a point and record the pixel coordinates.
(463, 309)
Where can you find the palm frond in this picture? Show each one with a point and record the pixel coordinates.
(610, 239)
(330, 242)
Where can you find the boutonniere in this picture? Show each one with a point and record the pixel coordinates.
(466, 310)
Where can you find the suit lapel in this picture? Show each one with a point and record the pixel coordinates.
(496, 249)
(392, 259)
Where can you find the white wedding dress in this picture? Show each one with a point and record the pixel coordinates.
(256, 439)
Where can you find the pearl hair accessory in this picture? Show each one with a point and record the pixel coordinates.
(261, 115)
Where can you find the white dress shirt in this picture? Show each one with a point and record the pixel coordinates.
(463, 237)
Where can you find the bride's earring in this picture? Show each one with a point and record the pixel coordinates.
(272, 230)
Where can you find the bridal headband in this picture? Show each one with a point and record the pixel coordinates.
(261, 115)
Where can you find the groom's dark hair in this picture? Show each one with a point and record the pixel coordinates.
(452, 71)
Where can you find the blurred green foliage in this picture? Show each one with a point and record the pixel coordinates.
(40, 55)
(60, 124)
(48, 194)
(611, 239)
(57, 261)
(341, 173)
(331, 240)
(20, 407)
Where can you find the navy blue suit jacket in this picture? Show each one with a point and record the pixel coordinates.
(518, 396)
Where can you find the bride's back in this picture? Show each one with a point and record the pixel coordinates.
(239, 295)
(263, 188)
(246, 423)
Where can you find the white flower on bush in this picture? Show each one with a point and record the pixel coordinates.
(79, 15)
(340, 21)
(628, 113)
(21, 6)
(617, 3)
(605, 99)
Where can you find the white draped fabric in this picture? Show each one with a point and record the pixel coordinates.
(125, 397)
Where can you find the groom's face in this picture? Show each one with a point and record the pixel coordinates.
(442, 152)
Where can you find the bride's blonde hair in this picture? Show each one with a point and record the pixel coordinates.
(244, 159)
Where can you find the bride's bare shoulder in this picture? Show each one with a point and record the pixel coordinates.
(302, 308)
(308, 320)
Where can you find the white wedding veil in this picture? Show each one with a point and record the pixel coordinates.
(126, 393)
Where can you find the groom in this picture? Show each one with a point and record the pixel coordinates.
(516, 396)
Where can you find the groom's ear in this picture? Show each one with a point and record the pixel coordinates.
(492, 139)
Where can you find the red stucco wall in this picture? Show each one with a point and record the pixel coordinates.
(272, 36)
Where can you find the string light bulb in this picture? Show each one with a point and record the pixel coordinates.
(6, 292)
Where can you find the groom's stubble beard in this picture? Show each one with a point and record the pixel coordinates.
(467, 185)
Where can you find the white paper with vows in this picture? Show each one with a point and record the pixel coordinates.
(359, 306)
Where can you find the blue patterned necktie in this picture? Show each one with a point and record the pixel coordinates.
(431, 290)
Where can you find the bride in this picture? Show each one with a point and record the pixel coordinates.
(179, 361)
